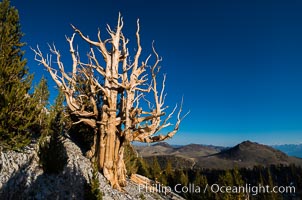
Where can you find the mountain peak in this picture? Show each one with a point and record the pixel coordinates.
(163, 144)
(247, 144)
(254, 152)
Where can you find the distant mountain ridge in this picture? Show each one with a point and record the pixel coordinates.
(290, 149)
(244, 155)
(247, 155)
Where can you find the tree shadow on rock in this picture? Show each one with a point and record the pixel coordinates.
(53, 155)
(60, 180)
(82, 135)
(55, 176)
(18, 182)
(69, 184)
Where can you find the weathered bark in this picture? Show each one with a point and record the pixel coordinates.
(109, 101)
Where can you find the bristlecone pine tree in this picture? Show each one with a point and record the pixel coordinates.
(106, 95)
(17, 108)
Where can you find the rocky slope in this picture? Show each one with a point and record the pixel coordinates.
(21, 177)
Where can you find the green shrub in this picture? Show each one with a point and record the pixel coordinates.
(52, 153)
(92, 190)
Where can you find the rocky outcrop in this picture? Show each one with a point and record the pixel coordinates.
(21, 177)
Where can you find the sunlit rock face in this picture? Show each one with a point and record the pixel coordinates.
(22, 177)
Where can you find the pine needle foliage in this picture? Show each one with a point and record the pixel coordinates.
(17, 107)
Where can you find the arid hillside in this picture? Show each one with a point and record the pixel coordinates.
(244, 155)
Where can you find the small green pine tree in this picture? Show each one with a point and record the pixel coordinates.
(181, 177)
(226, 180)
(58, 106)
(238, 181)
(92, 190)
(272, 195)
(156, 170)
(131, 160)
(201, 181)
(169, 173)
(142, 168)
(40, 96)
(169, 168)
(57, 111)
(52, 154)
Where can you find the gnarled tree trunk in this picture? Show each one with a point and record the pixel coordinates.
(106, 95)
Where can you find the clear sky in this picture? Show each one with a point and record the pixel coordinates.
(238, 64)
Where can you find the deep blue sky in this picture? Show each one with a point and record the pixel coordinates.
(238, 64)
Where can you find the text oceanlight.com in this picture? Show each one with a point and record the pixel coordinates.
(216, 188)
